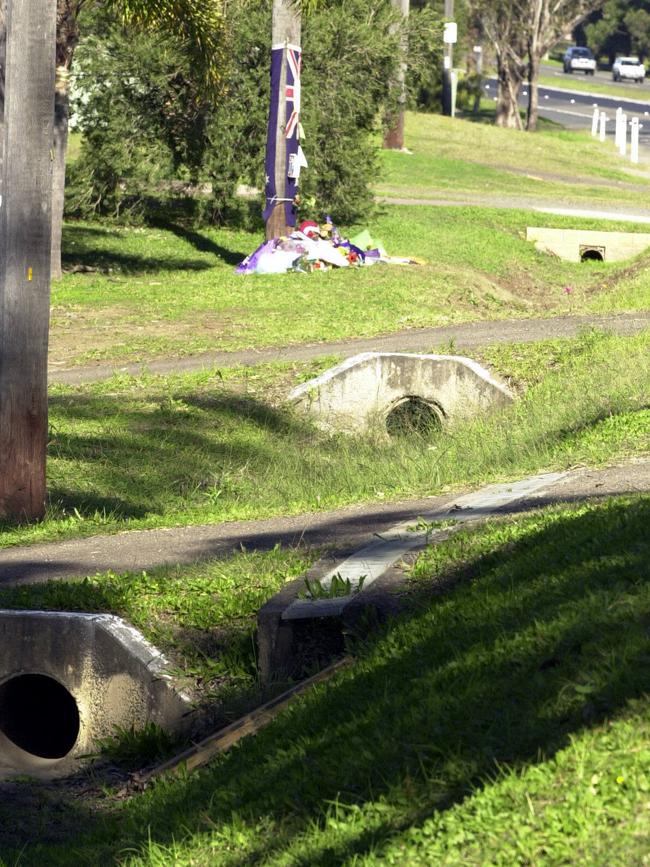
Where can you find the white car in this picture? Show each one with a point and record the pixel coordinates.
(577, 59)
(629, 68)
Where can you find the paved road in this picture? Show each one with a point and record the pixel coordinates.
(574, 109)
(600, 77)
(463, 336)
(344, 528)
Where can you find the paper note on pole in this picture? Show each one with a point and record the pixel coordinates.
(450, 33)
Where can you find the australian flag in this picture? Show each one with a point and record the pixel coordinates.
(279, 184)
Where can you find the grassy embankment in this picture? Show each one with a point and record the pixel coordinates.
(220, 446)
(504, 721)
(452, 157)
(173, 292)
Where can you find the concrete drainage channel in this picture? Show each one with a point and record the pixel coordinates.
(282, 621)
(67, 680)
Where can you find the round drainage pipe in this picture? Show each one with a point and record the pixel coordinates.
(38, 715)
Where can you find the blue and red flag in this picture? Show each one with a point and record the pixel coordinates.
(282, 181)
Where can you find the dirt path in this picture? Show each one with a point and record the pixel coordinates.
(343, 528)
(463, 336)
(436, 198)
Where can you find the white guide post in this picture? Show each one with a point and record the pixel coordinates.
(594, 122)
(622, 143)
(617, 131)
(603, 125)
(634, 140)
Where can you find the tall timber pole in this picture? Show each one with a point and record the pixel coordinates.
(25, 239)
(285, 33)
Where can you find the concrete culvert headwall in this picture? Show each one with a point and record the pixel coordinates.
(67, 680)
(586, 245)
(399, 393)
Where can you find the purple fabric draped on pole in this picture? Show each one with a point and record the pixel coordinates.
(283, 187)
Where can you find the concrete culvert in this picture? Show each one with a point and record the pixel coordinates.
(39, 715)
(400, 390)
(413, 416)
(68, 680)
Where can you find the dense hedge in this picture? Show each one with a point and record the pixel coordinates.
(155, 146)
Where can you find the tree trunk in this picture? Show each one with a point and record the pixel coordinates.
(533, 92)
(394, 138)
(509, 78)
(25, 234)
(67, 37)
(285, 31)
(58, 170)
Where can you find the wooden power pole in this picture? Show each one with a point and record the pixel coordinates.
(394, 138)
(285, 32)
(25, 217)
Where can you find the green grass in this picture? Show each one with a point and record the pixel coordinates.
(212, 447)
(165, 293)
(452, 157)
(203, 617)
(504, 721)
(589, 85)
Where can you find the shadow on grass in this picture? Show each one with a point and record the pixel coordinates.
(204, 244)
(173, 451)
(549, 637)
(92, 249)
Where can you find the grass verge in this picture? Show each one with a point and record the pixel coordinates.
(173, 292)
(505, 721)
(202, 617)
(452, 157)
(216, 446)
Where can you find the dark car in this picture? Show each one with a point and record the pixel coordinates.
(577, 59)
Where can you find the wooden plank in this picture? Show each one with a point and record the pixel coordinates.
(200, 754)
(25, 219)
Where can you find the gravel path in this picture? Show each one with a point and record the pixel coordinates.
(464, 336)
(344, 528)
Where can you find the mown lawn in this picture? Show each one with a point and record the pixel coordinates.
(459, 156)
(223, 445)
(503, 721)
(173, 292)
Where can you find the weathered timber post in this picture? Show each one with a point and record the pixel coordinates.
(285, 37)
(25, 216)
(394, 138)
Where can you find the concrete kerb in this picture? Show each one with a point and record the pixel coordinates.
(375, 562)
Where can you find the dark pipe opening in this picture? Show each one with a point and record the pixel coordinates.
(39, 715)
(592, 254)
(414, 416)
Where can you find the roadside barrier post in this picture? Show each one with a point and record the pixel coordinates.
(603, 125)
(617, 131)
(594, 122)
(634, 140)
(622, 144)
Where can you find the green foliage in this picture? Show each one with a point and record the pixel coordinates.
(196, 24)
(155, 145)
(132, 747)
(622, 27)
(338, 587)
